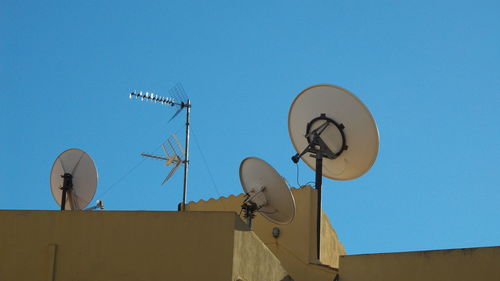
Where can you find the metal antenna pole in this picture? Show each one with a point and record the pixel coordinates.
(186, 161)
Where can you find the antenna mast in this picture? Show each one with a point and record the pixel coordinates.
(172, 102)
(186, 150)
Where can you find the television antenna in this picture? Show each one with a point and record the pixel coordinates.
(266, 192)
(338, 133)
(178, 92)
(171, 159)
(73, 179)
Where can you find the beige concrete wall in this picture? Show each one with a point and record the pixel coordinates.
(296, 245)
(254, 261)
(53, 245)
(478, 264)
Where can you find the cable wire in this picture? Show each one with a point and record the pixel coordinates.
(122, 177)
(212, 179)
(298, 182)
(126, 174)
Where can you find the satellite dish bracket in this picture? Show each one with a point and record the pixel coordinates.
(257, 196)
(316, 136)
(67, 187)
(314, 139)
(250, 208)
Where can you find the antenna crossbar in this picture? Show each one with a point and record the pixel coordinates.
(160, 157)
(154, 156)
(155, 98)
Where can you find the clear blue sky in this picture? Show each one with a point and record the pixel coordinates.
(428, 70)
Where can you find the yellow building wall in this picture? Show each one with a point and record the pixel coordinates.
(477, 264)
(254, 261)
(102, 245)
(296, 245)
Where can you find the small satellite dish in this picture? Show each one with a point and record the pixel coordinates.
(345, 126)
(266, 192)
(73, 179)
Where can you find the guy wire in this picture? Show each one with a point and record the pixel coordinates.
(207, 167)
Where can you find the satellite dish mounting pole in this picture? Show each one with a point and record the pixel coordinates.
(318, 184)
(318, 180)
(186, 150)
(315, 142)
(250, 208)
(67, 186)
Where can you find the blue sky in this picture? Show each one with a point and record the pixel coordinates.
(429, 71)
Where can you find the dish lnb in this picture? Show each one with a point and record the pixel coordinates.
(266, 192)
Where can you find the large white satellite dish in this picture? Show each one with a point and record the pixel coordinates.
(73, 179)
(334, 134)
(349, 113)
(267, 192)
